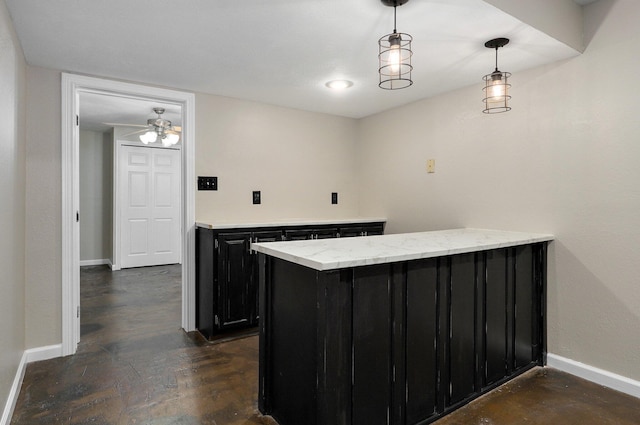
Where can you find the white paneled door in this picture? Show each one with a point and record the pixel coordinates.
(149, 188)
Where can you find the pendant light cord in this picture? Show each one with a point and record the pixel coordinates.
(394, 17)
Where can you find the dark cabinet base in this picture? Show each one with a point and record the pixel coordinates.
(227, 272)
(400, 343)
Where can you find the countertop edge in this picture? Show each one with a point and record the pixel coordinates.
(527, 238)
(212, 225)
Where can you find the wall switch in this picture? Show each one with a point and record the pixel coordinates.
(334, 198)
(431, 165)
(207, 183)
(256, 197)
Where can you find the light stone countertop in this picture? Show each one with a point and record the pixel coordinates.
(217, 225)
(330, 254)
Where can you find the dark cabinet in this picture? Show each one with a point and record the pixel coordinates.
(227, 271)
(227, 279)
(310, 233)
(260, 236)
(365, 230)
(236, 308)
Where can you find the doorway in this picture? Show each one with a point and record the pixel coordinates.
(72, 87)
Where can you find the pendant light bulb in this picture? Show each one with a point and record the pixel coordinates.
(498, 89)
(395, 55)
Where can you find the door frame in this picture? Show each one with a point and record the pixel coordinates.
(72, 86)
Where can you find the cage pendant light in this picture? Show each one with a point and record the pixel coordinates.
(394, 55)
(496, 85)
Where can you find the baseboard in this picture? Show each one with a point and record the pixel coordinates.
(10, 405)
(593, 374)
(43, 353)
(29, 356)
(104, 261)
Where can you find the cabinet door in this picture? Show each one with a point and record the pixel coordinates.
(317, 233)
(362, 230)
(235, 298)
(298, 234)
(265, 236)
(351, 231)
(373, 229)
(325, 233)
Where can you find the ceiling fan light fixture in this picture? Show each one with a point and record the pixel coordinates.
(160, 130)
(496, 85)
(148, 137)
(170, 139)
(394, 55)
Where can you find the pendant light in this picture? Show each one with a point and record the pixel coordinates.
(496, 85)
(395, 55)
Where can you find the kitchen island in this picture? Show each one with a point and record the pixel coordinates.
(396, 329)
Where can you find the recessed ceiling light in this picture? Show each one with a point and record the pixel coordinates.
(339, 84)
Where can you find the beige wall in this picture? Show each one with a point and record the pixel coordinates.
(564, 160)
(43, 216)
(96, 192)
(295, 158)
(12, 203)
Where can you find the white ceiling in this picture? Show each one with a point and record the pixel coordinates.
(99, 112)
(279, 51)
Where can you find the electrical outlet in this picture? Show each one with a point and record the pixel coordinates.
(207, 183)
(334, 198)
(431, 165)
(256, 197)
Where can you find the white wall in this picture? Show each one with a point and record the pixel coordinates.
(96, 189)
(564, 160)
(295, 158)
(12, 204)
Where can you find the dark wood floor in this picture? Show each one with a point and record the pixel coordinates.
(135, 366)
(545, 396)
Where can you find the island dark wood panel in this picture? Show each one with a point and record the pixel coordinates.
(400, 343)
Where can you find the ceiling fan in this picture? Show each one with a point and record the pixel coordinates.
(157, 130)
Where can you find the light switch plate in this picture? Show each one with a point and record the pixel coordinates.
(207, 183)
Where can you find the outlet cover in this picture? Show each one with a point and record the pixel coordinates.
(334, 198)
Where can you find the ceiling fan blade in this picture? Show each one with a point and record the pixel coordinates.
(134, 132)
(115, 124)
(176, 128)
